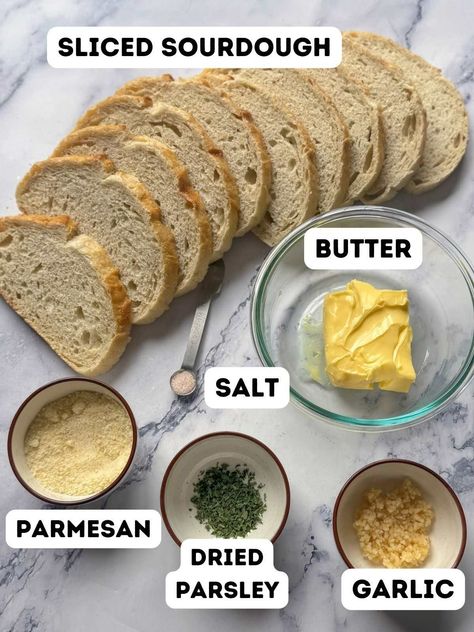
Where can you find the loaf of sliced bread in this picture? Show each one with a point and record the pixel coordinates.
(163, 175)
(208, 171)
(294, 187)
(363, 121)
(65, 287)
(116, 210)
(231, 130)
(447, 124)
(323, 122)
(403, 118)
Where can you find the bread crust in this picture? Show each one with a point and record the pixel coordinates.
(96, 115)
(263, 158)
(137, 85)
(224, 170)
(374, 195)
(427, 184)
(191, 197)
(144, 85)
(343, 175)
(107, 275)
(364, 181)
(121, 305)
(342, 170)
(162, 234)
(194, 200)
(38, 167)
(266, 230)
(42, 221)
(165, 238)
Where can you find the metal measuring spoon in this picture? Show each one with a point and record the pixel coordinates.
(183, 382)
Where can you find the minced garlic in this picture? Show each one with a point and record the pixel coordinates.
(392, 528)
(79, 444)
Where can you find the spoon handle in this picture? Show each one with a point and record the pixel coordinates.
(195, 335)
(210, 287)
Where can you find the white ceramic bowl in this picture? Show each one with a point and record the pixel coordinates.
(448, 532)
(28, 411)
(205, 452)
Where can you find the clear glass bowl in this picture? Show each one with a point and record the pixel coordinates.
(441, 294)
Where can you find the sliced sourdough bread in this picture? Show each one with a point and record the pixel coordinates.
(362, 119)
(208, 171)
(231, 130)
(325, 127)
(294, 190)
(164, 176)
(447, 125)
(403, 118)
(116, 210)
(65, 287)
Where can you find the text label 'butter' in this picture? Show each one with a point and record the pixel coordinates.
(363, 248)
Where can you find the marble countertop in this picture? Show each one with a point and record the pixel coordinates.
(83, 591)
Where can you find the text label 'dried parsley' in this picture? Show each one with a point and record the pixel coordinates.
(228, 501)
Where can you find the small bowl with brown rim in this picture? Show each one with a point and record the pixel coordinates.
(207, 451)
(27, 413)
(448, 532)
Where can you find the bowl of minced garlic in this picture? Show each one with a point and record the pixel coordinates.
(399, 514)
(72, 441)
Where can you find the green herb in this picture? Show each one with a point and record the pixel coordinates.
(228, 501)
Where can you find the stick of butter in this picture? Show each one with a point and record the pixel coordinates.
(367, 338)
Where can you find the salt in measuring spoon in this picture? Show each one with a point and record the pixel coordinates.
(183, 382)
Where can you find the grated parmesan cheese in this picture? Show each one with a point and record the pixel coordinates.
(79, 444)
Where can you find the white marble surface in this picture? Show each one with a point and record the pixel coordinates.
(78, 591)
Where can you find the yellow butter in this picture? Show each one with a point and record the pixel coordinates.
(367, 338)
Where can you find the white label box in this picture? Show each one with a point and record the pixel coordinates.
(403, 589)
(194, 47)
(363, 248)
(83, 528)
(226, 574)
(247, 387)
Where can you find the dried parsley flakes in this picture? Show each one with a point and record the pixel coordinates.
(228, 501)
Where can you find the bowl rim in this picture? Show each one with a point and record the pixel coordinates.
(114, 483)
(354, 476)
(209, 435)
(454, 388)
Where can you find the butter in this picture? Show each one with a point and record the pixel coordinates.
(312, 349)
(367, 338)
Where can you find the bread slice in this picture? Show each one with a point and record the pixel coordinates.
(363, 121)
(294, 188)
(115, 209)
(231, 130)
(66, 288)
(325, 127)
(208, 171)
(164, 176)
(403, 118)
(447, 125)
